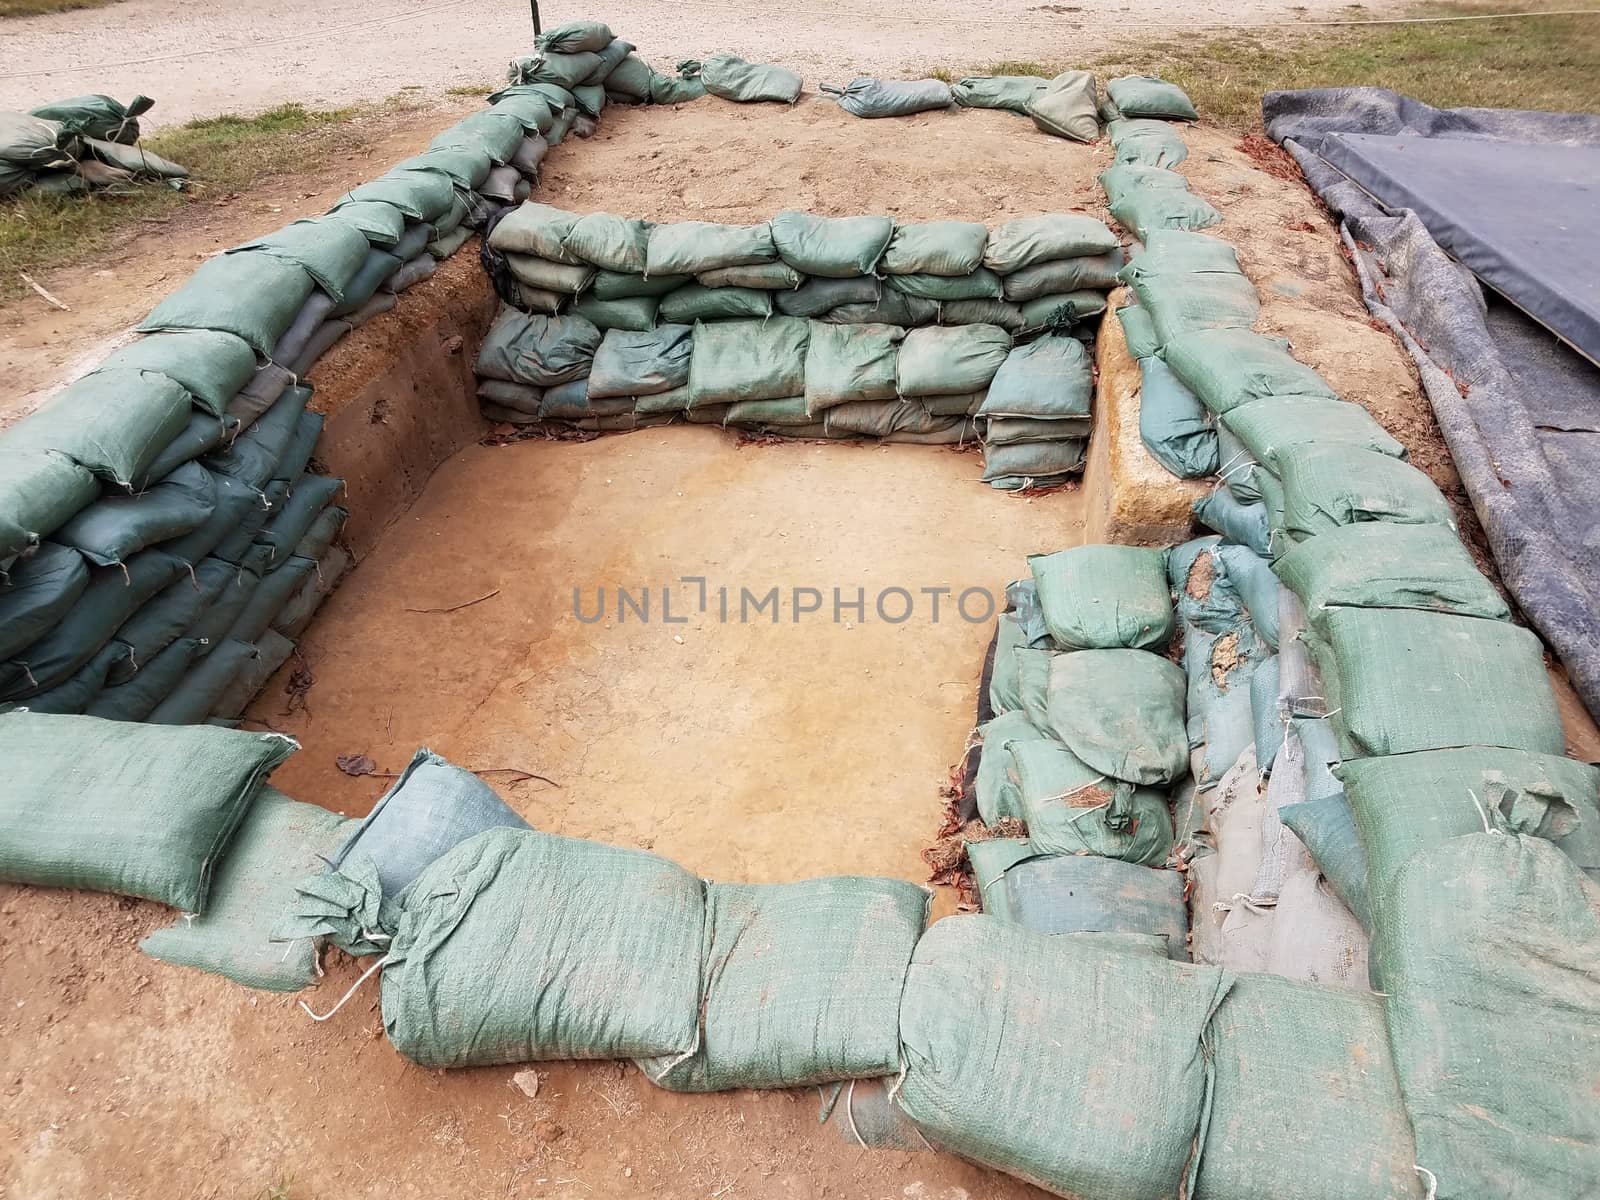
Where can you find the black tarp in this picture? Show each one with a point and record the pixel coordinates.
(1509, 194)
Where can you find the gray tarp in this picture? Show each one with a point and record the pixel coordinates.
(1519, 409)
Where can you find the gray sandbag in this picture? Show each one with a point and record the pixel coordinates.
(694, 247)
(1163, 208)
(1101, 597)
(732, 78)
(1025, 241)
(571, 402)
(115, 527)
(277, 585)
(773, 276)
(636, 314)
(537, 350)
(831, 247)
(36, 592)
(1227, 368)
(866, 96)
(1145, 96)
(518, 397)
(694, 302)
(1010, 92)
(327, 248)
(252, 294)
(890, 308)
(320, 533)
(1033, 464)
(846, 363)
(194, 700)
(1079, 273)
(787, 415)
(332, 563)
(168, 614)
(986, 1001)
(309, 495)
(521, 946)
(747, 360)
(379, 267)
(668, 403)
(253, 457)
(119, 807)
(113, 423)
(1327, 486)
(1173, 425)
(630, 363)
(137, 696)
(1067, 107)
(610, 242)
(887, 419)
(313, 314)
(272, 650)
(935, 248)
(212, 365)
(946, 361)
(801, 984)
(1050, 377)
(413, 271)
(1122, 713)
(816, 297)
(982, 284)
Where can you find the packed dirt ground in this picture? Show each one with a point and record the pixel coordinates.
(746, 752)
(210, 56)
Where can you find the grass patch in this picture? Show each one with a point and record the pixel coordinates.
(225, 155)
(33, 8)
(471, 89)
(1545, 63)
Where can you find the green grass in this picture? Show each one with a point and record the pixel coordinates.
(1550, 63)
(32, 8)
(225, 155)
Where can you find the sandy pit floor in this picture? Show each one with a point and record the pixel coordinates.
(745, 751)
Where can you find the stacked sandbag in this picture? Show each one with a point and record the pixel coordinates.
(75, 145)
(805, 326)
(1085, 734)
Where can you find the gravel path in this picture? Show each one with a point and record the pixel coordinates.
(202, 57)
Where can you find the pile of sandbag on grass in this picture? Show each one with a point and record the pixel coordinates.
(75, 145)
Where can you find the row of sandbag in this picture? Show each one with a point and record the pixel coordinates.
(502, 944)
(1029, 403)
(1065, 105)
(73, 145)
(1455, 796)
(161, 539)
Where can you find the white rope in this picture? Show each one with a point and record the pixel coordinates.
(365, 975)
(1430, 1179)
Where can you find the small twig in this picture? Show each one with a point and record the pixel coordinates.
(458, 607)
(46, 296)
(522, 776)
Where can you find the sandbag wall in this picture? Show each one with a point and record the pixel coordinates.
(804, 326)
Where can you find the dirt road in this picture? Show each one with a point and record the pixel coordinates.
(201, 57)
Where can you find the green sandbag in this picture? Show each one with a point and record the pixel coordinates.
(537, 350)
(1328, 830)
(631, 78)
(538, 230)
(308, 497)
(1409, 681)
(1185, 301)
(1406, 804)
(1327, 486)
(747, 360)
(1237, 467)
(272, 650)
(211, 364)
(1004, 684)
(1004, 431)
(1086, 893)
(1173, 425)
(1307, 1103)
(610, 242)
(329, 249)
(890, 308)
(113, 423)
(99, 117)
(693, 302)
(565, 69)
(1033, 464)
(996, 790)
(35, 594)
(773, 276)
(496, 135)
(1250, 575)
(521, 946)
(945, 361)
(117, 526)
(571, 402)
(871, 98)
(1242, 523)
(631, 363)
(1100, 597)
(381, 222)
(529, 107)
(801, 984)
(885, 419)
(83, 687)
(1011, 92)
(421, 195)
(1388, 566)
(279, 841)
(1231, 367)
(464, 166)
(196, 696)
(252, 294)
(320, 533)
(846, 363)
(982, 284)
(732, 78)
(545, 275)
(636, 314)
(983, 312)
(613, 285)
(254, 456)
(1219, 669)
(1145, 143)
(694, 247)
(1491, 946)
(784, 414)
(1147, 96)
(987, 1001)
(1272, 424)
(936, 248)
(1083, 272)
(1125, 180)
(1070, 808)
(138, 696)
(203, 435)
(1122, 712)
(576, 37)
(40, 490)
(1163, 208)
(1050, 377)
(991, 859)
(1025, 241)
(113, 594)
(126, 808)
(1067, 107)
(675, 89)
(169, 614)
(816, 297)
(277, 585)
(831, 247)
(1061, 313)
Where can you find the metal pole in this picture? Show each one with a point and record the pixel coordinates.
(534, 4)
